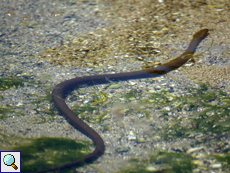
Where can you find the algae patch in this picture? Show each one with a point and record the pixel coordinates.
(45, 152)
(210, 107)
(42, 103)
(4, 111)
(168, 162)
(6, 83)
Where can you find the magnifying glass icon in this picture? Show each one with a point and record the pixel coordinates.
(9, 160)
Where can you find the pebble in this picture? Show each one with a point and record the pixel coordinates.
(192, 150)
(115, 86)
(122, 149)
(151, 168)
(216, 165)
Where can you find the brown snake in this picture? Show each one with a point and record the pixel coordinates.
(59, 93)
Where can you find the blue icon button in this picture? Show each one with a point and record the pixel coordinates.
(9, 160)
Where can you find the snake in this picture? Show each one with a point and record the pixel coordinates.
(61, 90)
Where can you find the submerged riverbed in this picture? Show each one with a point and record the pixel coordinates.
(146, 124)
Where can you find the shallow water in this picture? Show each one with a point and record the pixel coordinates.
(45, 42)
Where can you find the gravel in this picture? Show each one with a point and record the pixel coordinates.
(28, 28)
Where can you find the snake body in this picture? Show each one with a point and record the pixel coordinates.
(59, 93)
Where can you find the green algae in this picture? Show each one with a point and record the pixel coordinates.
(13, 82)
(10, 111)
(98, 101)
(82, 109)
(35, 25)
(167, 162)
(213, 117)
(6, 83)
(86, 113)
(4, 111)
(43, 103)
(45, 152)
(224, 159)
(132, 94)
